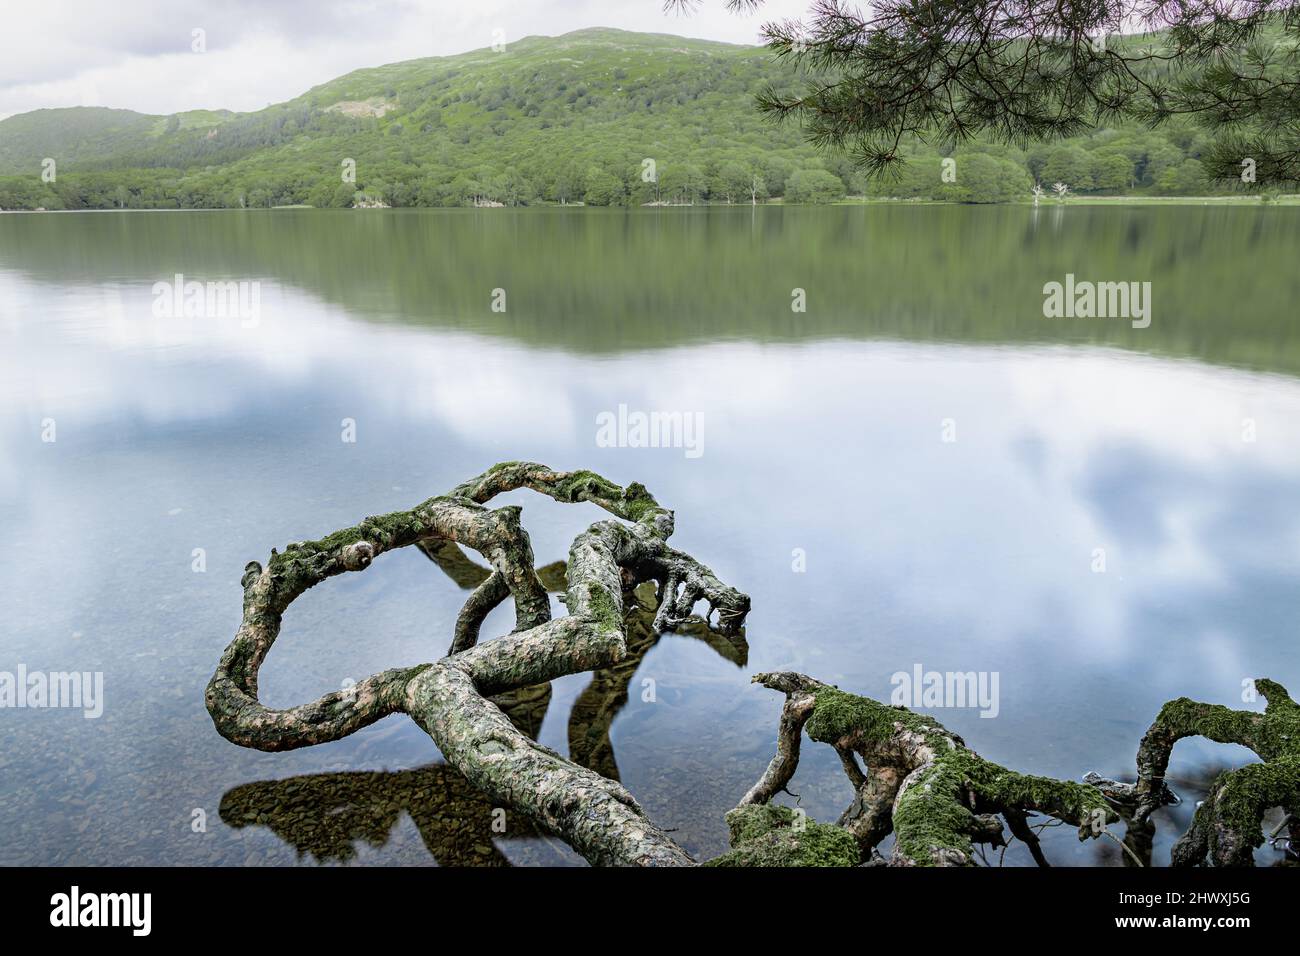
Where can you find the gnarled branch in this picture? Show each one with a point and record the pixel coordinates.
(1227, 826)
(920, 782)
(449, 699)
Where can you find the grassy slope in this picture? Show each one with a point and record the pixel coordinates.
(72, 135)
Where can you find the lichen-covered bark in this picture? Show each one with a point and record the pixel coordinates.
(917, 779)
(452, 698)
(594, 815)
(1227, 826)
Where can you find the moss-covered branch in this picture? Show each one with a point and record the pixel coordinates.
(917, 779)
(1227, 826)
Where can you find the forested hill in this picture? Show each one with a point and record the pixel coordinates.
(587, 117)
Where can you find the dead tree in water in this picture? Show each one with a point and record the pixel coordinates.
(449, 699)
(916, 779)
(1227, 826)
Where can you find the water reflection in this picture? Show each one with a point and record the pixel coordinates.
(823, 433)
(325, 815)
(1223, 278)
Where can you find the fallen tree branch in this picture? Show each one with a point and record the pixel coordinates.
(449, 699)
(1228, 824)
(595, 708)
(920, 781)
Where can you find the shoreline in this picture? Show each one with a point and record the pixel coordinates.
(1288, 199)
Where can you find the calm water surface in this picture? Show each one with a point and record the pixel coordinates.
(822, 431)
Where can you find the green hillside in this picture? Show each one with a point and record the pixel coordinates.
(72, 136)
(549, 120)
(87, 135)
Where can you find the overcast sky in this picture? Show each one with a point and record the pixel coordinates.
(137, 54)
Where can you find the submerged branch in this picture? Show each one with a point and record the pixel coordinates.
(450, 699)
(1228, 823)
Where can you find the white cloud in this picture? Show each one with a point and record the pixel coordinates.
(137, 54)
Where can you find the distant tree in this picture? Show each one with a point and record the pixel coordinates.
(734, 180)
(981, 178)
(1186, 179)
(461, 191)
(400, 194)
(813, 186)
(775, 170)
(918, 178)
(1036, 159)
(1158, 157)
(681, 182)
(569, 185)
(1111, 172)
(603, 188)
(344, 195)
(1068, 164)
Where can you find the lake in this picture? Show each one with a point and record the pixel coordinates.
(919, 470)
